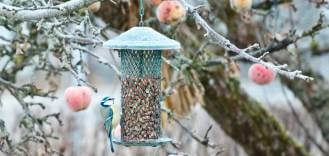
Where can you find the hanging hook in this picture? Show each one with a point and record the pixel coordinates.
(141, 12)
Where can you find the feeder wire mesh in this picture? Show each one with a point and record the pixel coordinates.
(140, 95)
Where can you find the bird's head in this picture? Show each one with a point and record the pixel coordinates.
(105, 102)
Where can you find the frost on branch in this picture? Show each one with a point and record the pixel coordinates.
(220, 40)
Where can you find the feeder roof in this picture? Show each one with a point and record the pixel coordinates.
(142, 38)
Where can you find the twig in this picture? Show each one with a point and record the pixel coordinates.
(4, 39)
(171, 88)
(77, 39)
(218, 153)
(266, 5)
(9, 84)
(207, 132)
(199, 139)
(227, 45)
(276, 46)
(100, 60)
(301, 124)
(171, 153)
(76, 75)
(176, 154)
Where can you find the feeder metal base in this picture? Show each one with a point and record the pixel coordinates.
(153, 143)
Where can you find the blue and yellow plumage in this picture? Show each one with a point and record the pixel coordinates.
(111, 116)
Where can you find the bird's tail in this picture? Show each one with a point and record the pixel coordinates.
(111, 142)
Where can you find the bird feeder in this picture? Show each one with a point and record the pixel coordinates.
(140, 50)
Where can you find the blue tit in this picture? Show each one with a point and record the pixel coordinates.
(111, 116)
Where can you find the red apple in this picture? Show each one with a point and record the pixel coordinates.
(170, 12)
(78, 98)
(260, 74)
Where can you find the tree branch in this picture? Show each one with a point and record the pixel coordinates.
(9, 84)
(266, 5)
(290, 39)
(78, 39)
(26, 14)
(227, 45)
(78, 78)
(100, 60)
(203, 141)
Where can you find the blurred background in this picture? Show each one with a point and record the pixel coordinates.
(82, 133)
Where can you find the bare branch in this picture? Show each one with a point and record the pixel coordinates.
(172, 153)
(204, 141)
(78, 78)
(77, 39)
(266, 5)
(9, 84)
(100, 60)
(227, 45)
(290, 39)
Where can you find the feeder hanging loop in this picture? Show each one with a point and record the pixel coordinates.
(141, 12)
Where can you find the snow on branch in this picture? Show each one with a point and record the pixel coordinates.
(227, 45)
(26, 14)
(78, 39)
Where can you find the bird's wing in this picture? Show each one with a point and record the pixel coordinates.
(116, 115)
(103, 112)
(108, 120)
(108, 125)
